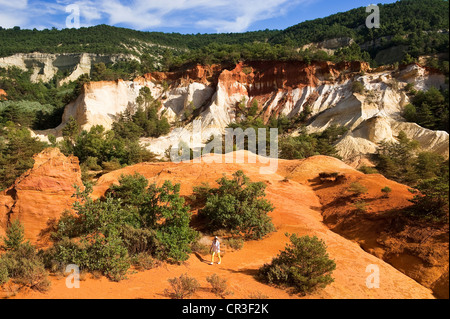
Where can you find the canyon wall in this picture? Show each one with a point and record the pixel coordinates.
(213, 94)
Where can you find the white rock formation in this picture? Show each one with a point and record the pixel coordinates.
(46, 65)
(371, 117)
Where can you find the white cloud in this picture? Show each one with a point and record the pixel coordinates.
(212, 15)
(7, 20)
(16, 4)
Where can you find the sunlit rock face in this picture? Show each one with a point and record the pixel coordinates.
(214, 94)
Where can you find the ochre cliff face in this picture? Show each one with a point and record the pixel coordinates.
(3, 95)
(41, 194)
(416, 248)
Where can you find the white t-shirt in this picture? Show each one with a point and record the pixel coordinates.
(215, 247)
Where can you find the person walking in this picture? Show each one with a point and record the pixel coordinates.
(215, 248)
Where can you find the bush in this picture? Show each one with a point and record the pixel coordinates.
(431, 199)
(303, 265)
(63, 253)
(143, 261)
(306, 145)
(162, 211)
(258, 295)
(139, 240)
(368, 170)
(357, 87)
(4, 277)
(360, 206)
(234, 243)
(200, 248)
(14, 235)
(25, 267)
(182, 287)
(331, 177)
(357, 189)
(239, 207)
(219, 285)
(109, 256)
(386, 191)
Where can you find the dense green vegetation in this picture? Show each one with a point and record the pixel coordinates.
(99, 149)
(429, 109)
(406, 22)
(306, 145)
(426, 172)
(304, 265)
(17, 148)
(21, 262)
(413, 24)
(144, 121)
(133, 221)
(237, 206)
(35, 105)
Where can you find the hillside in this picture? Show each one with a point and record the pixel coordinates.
(418, 26)
(299, 204)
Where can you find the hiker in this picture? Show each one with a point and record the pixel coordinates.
(215, 248)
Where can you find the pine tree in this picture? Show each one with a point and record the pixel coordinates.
(14, 236)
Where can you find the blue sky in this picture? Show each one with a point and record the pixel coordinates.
(184, 16)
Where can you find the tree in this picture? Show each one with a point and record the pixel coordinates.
(431, 198)
(71, 130)
(396, 159)
(238, 206)
(160, 209)
(304, 264)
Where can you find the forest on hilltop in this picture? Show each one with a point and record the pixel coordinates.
(420, 25)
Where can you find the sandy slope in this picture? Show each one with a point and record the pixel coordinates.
(297, 211)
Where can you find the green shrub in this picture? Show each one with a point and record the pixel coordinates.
(357, 189)
(65, 252)
(234, 243)
(109, 256)
(182, 287)
(143, 261)
(238, 206)
(401, 161)
(4, 277)
(306, 145)
(25, 267)
(386, 191)
(200, 248)
(14, 235)
(303, 265)
(368, 170)
(129, 221)
(257, 295)
(357, 87)
(431, 199)
(139, 240)
(360, 206)
(219, 285)
(91, 164)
